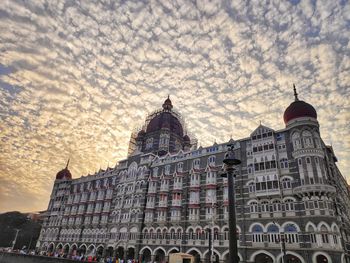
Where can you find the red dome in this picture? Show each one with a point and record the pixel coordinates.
(64, 174)
(298, 109)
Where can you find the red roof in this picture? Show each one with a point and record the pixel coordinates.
(299, 109)
(64, 174)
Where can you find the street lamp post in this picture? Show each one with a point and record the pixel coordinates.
(14, 241)
(283, 246)
(230, 161)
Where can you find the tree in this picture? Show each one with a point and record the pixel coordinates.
(28, 234)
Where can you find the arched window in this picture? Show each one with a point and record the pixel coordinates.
(257, 233)
(211, 160)
(250, 168)
(307, 139)
(251, 187)
(264, 206)
(284, 163)
(253, 207)
(276, 205)
(286, 183)
(296, 141)
(273, 233)
(324, 234)
(311, 230)
(226, 234)
(179, 234)
(159, 234)
(191, 234)
(198, 233)
(291, 233)
(180, 167)
(196, 164)
(149, 143)
(289, 204)
(216, 234)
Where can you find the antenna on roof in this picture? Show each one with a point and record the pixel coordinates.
(67, 163)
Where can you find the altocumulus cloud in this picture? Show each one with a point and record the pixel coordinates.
(77, 76)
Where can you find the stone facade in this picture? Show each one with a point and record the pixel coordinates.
(166, 195)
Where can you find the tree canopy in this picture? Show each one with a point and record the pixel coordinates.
(28, 234)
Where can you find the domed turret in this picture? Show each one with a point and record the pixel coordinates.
(141, 134)
(187, 138)
(298, 109)
(64, 173)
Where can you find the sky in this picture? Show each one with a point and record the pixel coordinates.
(76, 77)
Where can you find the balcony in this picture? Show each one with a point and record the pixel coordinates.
(164, 188)
(177, 186)
(98, 210)
(152, 190)
(109, 196)
(73, 212)
(100, 197)
(89, 211)
(163, 203)
(92, 198)
(194, 201)
(176, 203)
(150, 205)
(314, 188)
(80, 212)
(105, 210)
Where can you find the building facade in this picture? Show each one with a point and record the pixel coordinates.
(291, 199)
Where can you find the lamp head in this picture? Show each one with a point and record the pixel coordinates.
(230, 158)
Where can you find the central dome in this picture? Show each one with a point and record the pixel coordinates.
(166, 120)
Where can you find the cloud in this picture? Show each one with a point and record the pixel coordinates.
(76, 78)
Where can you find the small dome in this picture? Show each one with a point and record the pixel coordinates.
(167, 105)
(298, 109)
(186, 138)
(141, 133)
(64, 174)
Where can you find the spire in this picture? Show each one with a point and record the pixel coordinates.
(295, 93)
(67, 163)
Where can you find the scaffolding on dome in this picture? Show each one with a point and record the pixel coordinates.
(150, 116)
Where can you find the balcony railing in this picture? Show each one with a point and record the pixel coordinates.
(176, 203)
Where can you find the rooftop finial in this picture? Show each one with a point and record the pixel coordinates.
(295, 93)
(167, 105)
(67, 163)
